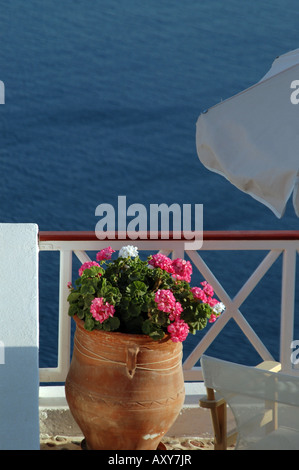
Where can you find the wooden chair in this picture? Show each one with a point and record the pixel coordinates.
(265, 404)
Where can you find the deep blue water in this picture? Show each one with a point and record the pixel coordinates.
(102, 99)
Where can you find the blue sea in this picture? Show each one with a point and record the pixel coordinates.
(102, 99)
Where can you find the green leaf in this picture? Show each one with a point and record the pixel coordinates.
(152, 330)
(114, 323)
(87, 289)
(111, 324)
(89, 324)
(134, 310)
(136, 288)
(125, 303)
(73, 297)
(157, 334)
(147, 327)
(73, 310)
(80, 314)
(87, 300)
(93, 271)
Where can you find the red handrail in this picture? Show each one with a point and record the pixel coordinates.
(207, 235)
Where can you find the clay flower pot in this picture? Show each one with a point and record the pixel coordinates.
(124, 390)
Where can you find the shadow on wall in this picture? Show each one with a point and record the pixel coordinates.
(19, 390)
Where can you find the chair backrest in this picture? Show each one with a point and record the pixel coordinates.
(265, 404)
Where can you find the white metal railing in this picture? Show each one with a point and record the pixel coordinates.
(276, 244)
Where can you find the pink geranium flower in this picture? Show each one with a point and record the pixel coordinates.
(87, 265)
(100, 310)
(182, 269)
(199, 294)
(175, 312)
(212, 302)
(105, 254)
(162, 262)
(213, 318)
(208, 289)
(178, 331)
(165, 300)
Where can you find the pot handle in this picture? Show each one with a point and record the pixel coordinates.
(132, 353)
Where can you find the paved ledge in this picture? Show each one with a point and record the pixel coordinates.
(58, 430)
(190, 423)
(170, 443)
(56, 418)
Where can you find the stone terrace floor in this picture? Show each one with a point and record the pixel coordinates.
(170, 443)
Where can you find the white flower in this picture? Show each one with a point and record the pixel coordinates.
(219, 308)
(127, 251)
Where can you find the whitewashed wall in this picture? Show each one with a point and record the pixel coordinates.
(19, 374)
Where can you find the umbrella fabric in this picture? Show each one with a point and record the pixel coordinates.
(252, 139)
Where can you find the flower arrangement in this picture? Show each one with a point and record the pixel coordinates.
(150, 297)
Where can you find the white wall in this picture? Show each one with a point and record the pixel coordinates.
(19, 374)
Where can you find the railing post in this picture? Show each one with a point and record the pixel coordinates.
(64, 335)
(287, 307)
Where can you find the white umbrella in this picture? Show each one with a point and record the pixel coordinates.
(252, 139)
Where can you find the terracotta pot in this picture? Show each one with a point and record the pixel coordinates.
(124, 391)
